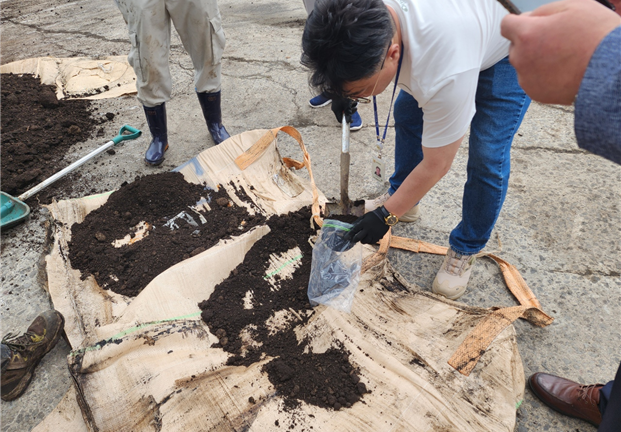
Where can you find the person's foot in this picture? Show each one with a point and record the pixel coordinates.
(212, 112)
(452, 278)
(156, 119)
(356, 122)
(325, 99)
(412, 215)
(568, 397)
(21, 354)
(154, 155)
(320, 100)
(218, 132)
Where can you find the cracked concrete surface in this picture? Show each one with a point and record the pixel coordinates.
(560, 225)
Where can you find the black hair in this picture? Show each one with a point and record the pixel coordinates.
(345, 41)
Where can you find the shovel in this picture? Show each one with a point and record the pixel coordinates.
(345, 206)
(14, 210)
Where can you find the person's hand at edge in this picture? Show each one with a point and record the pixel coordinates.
(368, 229)
(551, 47)
(341, 105)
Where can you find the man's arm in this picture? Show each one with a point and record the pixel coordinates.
(571, 50)
(551, 47)
(435, 164)
(598, 105)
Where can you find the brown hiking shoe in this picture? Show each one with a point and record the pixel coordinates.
(21, 354)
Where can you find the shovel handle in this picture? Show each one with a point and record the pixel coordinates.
(345, 159)
(345, 201)
(122, 136)
(126, 133)
(345, 141)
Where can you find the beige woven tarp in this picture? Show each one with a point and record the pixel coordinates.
(80, 77)
(146, 364)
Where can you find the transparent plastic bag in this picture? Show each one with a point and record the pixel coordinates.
(335, 269)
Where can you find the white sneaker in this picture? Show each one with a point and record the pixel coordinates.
(370, 205)
(412, 215)
(453, 276)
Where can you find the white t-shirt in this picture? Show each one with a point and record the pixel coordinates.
(446, 43)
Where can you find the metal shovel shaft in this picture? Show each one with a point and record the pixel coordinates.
(345, 143)
(345, 206)
(67, 170)
(345, 159)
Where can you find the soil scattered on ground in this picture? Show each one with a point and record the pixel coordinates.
(162, 201)
(243, 309)
(37, 131)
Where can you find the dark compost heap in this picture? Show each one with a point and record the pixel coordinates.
(37, 131)
(155, 199)
(324, 379)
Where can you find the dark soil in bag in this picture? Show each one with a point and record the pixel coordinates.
(155, 199)
(324, 379)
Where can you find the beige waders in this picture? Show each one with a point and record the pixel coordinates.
(199, 25)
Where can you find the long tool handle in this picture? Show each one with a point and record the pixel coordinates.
(345, 158)
(122, 136)
(345, 143)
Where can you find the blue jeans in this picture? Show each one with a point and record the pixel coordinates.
(500, 108)
(610, 404)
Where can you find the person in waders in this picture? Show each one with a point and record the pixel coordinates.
(199, 25)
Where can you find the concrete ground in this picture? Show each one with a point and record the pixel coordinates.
(560, 225)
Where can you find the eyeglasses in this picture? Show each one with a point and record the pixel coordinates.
(367, 100)
(362, 100)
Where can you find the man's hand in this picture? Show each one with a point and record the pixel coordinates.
(368, 229)
(342, 106)
(551, 47)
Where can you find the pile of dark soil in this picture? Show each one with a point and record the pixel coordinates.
(37, 131)
(326, 379)
(155, 199)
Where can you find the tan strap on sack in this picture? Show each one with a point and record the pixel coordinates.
(292, 163)
(467, 355)
(516, 283)
(379, 256)
(417, 246)
(473, 347)
(257, 150)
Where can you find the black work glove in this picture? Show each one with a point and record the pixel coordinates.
(342, 105)
(368, 229)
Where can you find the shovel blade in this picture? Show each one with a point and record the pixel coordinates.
(355, 209)
(13, 211)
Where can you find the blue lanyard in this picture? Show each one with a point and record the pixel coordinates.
(380, 142)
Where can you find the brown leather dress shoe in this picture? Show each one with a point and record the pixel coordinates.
(568, 397)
